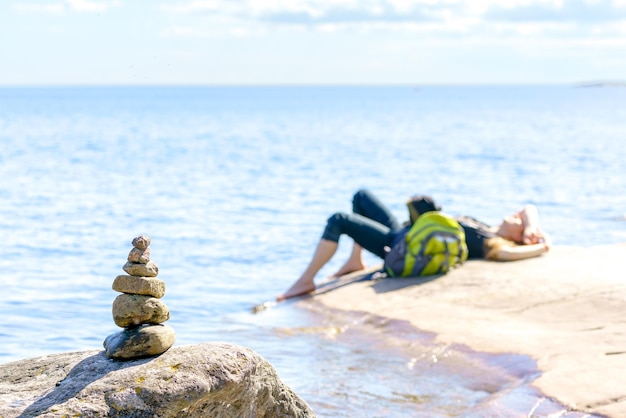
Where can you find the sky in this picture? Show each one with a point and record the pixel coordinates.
(274, 42)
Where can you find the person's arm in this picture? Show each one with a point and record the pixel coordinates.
(530, 220)
(519, 252)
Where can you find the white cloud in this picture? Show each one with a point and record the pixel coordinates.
(192, 7)
(46, 8)
(63, 7)
(219, 29)
(314, 12)
(91, 6)
(432, 18)
(581, 11)
(292, 39)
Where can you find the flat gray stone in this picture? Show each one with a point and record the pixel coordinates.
(139, 342)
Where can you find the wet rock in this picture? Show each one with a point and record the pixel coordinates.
(139, 342)
(150, 286)
(149, 269)
(133, 310)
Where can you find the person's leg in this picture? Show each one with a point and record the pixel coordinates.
(353, 263)
(324, 252)
(366, 204)
(365, 232)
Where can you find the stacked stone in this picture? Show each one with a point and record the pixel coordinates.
(139, 309)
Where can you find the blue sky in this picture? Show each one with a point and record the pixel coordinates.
(78, 42)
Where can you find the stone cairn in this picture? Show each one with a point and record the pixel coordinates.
(139, 309)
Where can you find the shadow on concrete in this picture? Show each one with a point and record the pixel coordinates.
(390, 284)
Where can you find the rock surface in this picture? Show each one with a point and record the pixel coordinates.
(564, 309)
(132, 310)
(150, 269)
(150, 286)
(137, 255)
(141, 242)
(139, 342)
(204, 380)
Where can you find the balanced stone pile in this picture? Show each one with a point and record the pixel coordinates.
(139, 309)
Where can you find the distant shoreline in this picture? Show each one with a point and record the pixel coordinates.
(597, 84)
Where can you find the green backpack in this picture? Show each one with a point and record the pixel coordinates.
(434, 244)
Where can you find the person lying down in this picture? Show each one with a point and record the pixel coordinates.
(373, 227)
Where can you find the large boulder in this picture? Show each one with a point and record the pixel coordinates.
(203, 380)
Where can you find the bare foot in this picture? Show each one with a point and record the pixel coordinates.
(349, 267)
(299, 288)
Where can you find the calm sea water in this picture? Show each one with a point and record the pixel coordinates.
(234, 185)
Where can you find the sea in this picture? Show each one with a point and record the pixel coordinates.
(234, 185)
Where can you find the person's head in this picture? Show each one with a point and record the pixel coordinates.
(512, 228)
(421, 204)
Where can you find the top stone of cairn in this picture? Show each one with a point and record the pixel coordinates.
(140, 253)
(141, 242)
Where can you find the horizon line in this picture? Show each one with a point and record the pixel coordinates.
(591, 83)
